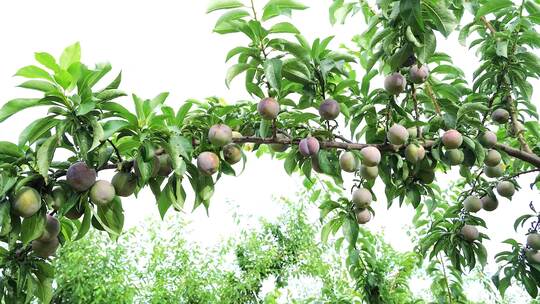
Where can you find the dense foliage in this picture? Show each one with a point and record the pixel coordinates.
(427, 119)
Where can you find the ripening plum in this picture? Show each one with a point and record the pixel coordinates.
(329, 109)
(488, 139)
(27, 202)
(472, 204)
(280, 147)
(363, 216)
(102, 193)
(362, 198)
(496, 171)
(369, 173)
(419, 75)
(52, 229)
(413, 132)
(493, 158)
(469, 233)
(232, 153)
(506, 189)
(454, 157)
(124, 183)
(80, 177)
(208, 163)
(309, 146)
(75, 212)
(219, 135)
(489, 203)
(268, 108)
(394, 84)
(500, 116)
(533, 256)
(371, 156)
(45, 249)
(348, 162)
(452, 139)
(56, 198)
(236, 134)
(533, 240)
(414, 153)
(397, 135)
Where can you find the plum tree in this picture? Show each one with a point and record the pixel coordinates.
(80, 176)
(309, 146)
(102, 192)
(268, 108)
(348, 162)
(124, 183)
(397, 135)
(394, 84)
(329, 109)
(27, 202)
(404, 130)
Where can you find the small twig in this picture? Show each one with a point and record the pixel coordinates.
(431, 96)
(488, 25)
(115, 150)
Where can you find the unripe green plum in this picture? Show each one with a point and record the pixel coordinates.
(52, 229)
(454, 157)
(397, 135)
(236, 135)
(280, 147)
(232, 153)
(371, 156)
(369, 173)
(472, 204)
(533, 240)
(413, 132)
(496, 171)
(309, 146)
(506, 189)
(124, 183)
(362, 198)
(219, 135)
(488, 139)
(419, 75)
(268, 108)
(102, 193)
(489, 203)
(533, 256)
(394, 84)
(500, 116)
(80, 176)
(452, 139)
(329, 109)
(27, 202)
(45, 249)
(56, 198)
(493, 158)
(208, 163)
(414, 153)
(348, 162)
(363, 216)
(426, 176)
(470, 233)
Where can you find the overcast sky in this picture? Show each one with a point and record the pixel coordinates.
(169, 46)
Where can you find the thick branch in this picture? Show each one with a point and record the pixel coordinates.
(488, 25)
(531, 158)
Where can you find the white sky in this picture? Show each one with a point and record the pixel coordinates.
(169, 46)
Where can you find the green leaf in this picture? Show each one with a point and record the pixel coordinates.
(223, 4)
(111, 217)
(85, 224)
(493, 6)
(15, 105)
(39, 85)
(112, 126)
(442, 18)
(5, 218)
(235, 70)
(98, 134)
(32, 71)
(10, 149)
(37, 129)
(411, 13)
(502, 48)
(47, 60)
(284, 27)
(110, 94)
(33, 227)
(45, 155)
(290, 162)
(272, 71)
(70, 55)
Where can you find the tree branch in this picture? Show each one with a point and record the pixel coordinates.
(531, 158)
